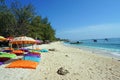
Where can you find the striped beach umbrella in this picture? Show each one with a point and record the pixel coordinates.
(23, 40)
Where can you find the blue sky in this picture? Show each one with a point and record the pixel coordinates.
(80, 19)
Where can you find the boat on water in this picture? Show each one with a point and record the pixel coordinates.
(78, 42)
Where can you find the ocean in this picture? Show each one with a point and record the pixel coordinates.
(109, 46)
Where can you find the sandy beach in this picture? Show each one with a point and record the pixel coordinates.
(81, 64)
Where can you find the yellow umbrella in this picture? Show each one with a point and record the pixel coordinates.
(2, 38)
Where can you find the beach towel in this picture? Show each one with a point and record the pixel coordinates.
(8, 55)
(2, 53)
(1, 63)
(18, 52)
(37, 52)
(43, 50)
(33, 50)
(23, 64)
(3, 59)
(25, 50)
(31, 58)
(7, 51)
(34, 55)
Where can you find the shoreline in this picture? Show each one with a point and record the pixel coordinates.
(96, 51)
(81, 64)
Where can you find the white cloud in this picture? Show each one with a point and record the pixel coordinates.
(89, 32)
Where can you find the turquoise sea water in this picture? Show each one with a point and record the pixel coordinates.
(110, 46)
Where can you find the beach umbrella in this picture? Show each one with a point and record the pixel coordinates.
(23, 40)
(9, 38)
(2, 38)
(38, 41)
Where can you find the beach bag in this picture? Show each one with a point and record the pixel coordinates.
(23, 64)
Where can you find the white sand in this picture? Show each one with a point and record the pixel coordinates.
(82, 65)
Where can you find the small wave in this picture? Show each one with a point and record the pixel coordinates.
(115, 53)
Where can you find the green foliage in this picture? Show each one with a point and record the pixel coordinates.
(42, 29)
(21, 20)
(23, 15)
(7, 22)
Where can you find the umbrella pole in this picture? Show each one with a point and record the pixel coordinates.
(32, 47)
(10, 45)
(22, 45)
(18, 46)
